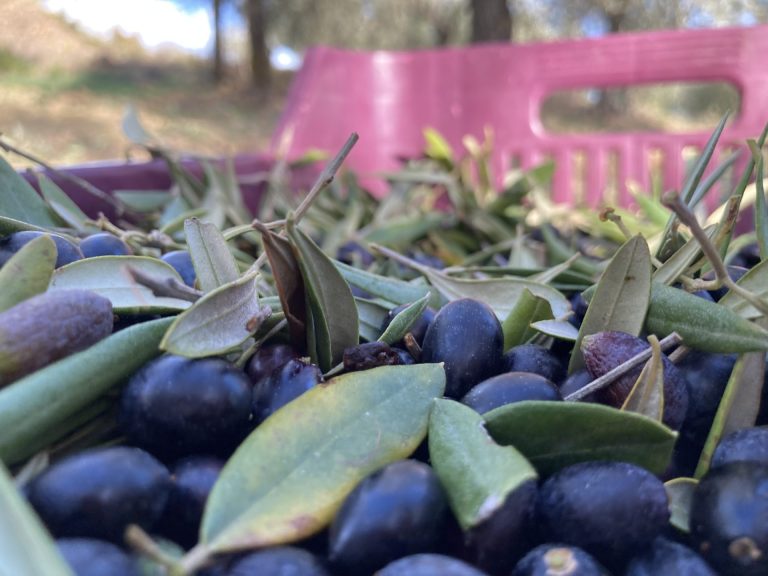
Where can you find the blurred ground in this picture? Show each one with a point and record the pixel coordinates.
(63, 94)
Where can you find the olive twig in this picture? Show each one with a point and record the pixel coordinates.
(253, 348)
(607, 378)
(672, 201)
(165, 287)
(84, 184)
(142, 542)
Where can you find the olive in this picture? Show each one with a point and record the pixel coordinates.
(536, 359)
(604, 351)
(104, 244)
(668, 557)
(181, 261)
(395, 512)
(610, 509)
(279, 561)
(176, 407)
(466, 336)
(429, 565)
(729, 518)
(98, 493)
(498, 542)
(267, 359)
(576, 382)
(559, 560)
(284, 385)
(369, 355)
(747, 445)
(191, 482)
(91, 557)
(509, 388)
(67, 252)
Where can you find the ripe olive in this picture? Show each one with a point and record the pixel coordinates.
(91, 557)
(560, 560)
(509, 388)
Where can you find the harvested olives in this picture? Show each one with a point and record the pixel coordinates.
(729, 518)
(611, 509)
(176, 407)
(267, 359)
(279, 561)
(103, 244)
(536, 359)
(181, 261)
(560, 560)
(67, 252)
(748, 445)
(668, 557)
(98, 493)
(509, 388)
(91, 557)
(397, 511)
(429, 565)
(284, 385)
(467, 337)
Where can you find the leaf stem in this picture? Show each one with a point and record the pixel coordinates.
(142, 542)
(607, 378)
(672, 201)
(195, 559)
(167, 287)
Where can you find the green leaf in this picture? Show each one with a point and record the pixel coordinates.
(11, 225)
(553, 435)
(19, 201)
(217, 322)
(621, 297)
(647, 395)
(651, 207)
(133, 128)
(144, 201)
(28, 272)
(501, 294)
(110, 276)
(680, 494)
(561, 329)
(437, 147)
(290, 476)
(62, 205)
(26, 547)
(404, 231)
(703, 324)
(517, 325)
(34, 409)
(334, 314)
(390, 289)
(755, 281)
(738, 406)
(761, 210)
(678, 263)
(477, 473)
(371, 315)
(402, 323)
(214, 264)
(289, 284)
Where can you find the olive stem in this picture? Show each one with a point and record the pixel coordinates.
(193, 560)
(87, 186)
(607, 378)
(142, 542)
(166, 287)
(253, 348)
(672, 201)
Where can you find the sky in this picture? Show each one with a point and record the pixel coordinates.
(154, 22)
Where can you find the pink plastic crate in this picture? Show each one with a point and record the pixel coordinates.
(390, 97)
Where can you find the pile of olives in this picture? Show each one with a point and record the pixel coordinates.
(180, 419)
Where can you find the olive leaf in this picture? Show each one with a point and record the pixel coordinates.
(110, 276)
(26, 547)
(561, 329)
(738, 406)
(476, 473)
(334, 321)
(755, 281)
(214, 264)
(680, 494)
(403, 231)
(501, 294)
(403, 321)
(517, 325)
(761, 210)
(143, 201)
(703, 324)
(647, 395)
(678, 263)
(289, 284)
(39, 408)
(28, 272)
(438, 147)
(371, 315)
(19, 201)
(290, 476)
(621, 297)
(553, 435)
(64, 207)
(390, 289)
(219, 321)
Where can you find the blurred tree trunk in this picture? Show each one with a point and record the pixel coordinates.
(491, 21)
(218, 59)
(257, 38)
